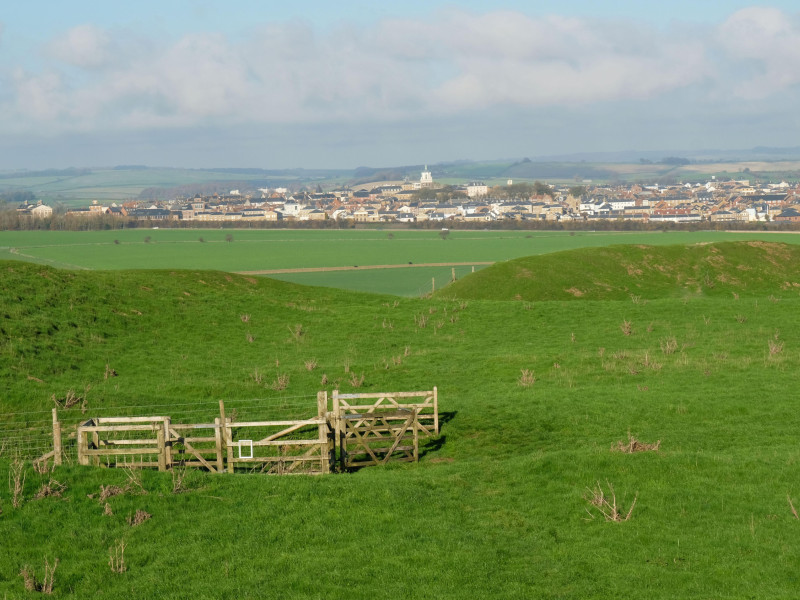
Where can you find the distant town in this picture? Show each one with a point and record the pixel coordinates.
(426, 201)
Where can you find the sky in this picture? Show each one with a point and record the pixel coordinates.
(321, 84)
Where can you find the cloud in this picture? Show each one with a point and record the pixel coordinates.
(84, 46)
(399, 70)
(766, 43)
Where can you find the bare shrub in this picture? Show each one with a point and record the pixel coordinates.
(51, 488)
(356, 380)
(134, 485)
(116, 557)
(668, 344)
(139, 517)
(634, 445)
(69, 400)
(606, 505)
(46, 585)
(626, 327)
(16, 481)
(526, 378)
(280, 383)
(310, 364)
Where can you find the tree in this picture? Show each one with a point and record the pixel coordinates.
(542, 189)
(577, 191)
(444, 233)
(229, 237)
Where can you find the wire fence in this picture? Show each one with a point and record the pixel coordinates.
(28, 435)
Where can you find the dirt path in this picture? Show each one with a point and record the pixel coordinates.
(362, 268)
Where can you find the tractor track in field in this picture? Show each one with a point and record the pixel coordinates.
(362, 268)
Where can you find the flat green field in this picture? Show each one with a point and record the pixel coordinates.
(537, 399)
(255, 250)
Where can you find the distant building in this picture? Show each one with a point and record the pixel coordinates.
(426, 179)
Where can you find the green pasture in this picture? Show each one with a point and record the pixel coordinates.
(254, 250)
(534, 394)
(114, 185)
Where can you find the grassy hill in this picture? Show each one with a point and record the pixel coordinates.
(620, 272)
(537, 394)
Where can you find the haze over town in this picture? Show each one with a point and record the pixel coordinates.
(337, 85)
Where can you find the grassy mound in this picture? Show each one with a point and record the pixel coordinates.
(619, 272)
(681, 409)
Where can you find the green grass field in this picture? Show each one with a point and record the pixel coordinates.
(497, 508)
(253, 250)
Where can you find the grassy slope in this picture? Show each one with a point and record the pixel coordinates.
(505, 518)
(620, 272)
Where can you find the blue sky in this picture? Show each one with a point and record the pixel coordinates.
(342, 84)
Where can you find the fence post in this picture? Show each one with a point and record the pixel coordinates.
(56, 439)
(337, 441)
(218, 442)
(416, 433)
(162, 449)
(167, 443)
(324, 445)
(226, 435)
(435, 410)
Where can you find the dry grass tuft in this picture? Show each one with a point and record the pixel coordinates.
(16, 481)
(109, 372)
(245, 318)
(775, 346)
(626, 327)
(297, 333)
(606, 505)
(138, 518)
(116, 557)
(46, 585)
(281, 382)
(310, 364)
(107, 510)
(356, 380)
(51, 488)
(668, 344)
(109, 491)
(634, 445)
(526, 378)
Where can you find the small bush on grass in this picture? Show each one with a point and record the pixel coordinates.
(606, 505)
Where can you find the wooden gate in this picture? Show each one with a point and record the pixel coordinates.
(125, 442)
(377, 428)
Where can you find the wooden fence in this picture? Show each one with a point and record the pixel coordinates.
(357, 430)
